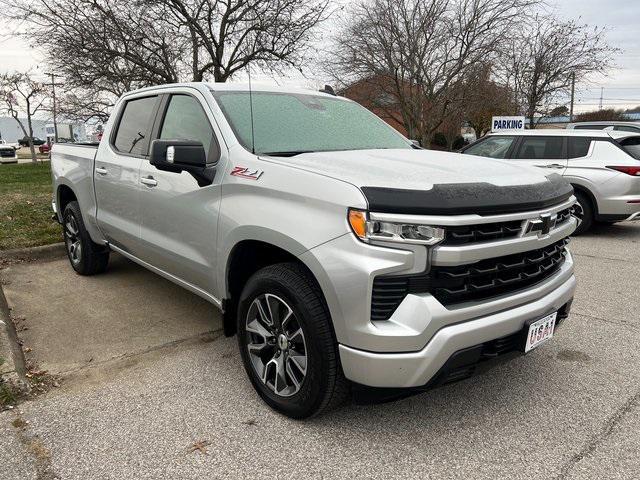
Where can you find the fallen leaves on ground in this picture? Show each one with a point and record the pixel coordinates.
(201, 446)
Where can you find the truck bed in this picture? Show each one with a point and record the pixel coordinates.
(72, 167)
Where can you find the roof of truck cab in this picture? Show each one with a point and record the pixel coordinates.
(566, 133)
(237, 87)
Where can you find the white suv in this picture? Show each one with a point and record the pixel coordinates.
(602, 165)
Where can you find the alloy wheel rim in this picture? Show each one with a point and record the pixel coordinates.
(276, 345)
(72, 239)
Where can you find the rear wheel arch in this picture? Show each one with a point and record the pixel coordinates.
(64, 196)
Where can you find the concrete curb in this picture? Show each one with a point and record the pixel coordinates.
(12, 367)
(45, 252)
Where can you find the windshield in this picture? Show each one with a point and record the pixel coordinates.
(288, 123)
(631, 145)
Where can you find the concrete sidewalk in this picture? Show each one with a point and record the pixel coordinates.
(69, 321)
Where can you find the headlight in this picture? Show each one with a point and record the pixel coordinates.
(369, 230)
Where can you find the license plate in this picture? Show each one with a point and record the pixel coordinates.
(540, 331)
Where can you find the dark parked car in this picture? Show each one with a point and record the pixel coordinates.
(24, 141)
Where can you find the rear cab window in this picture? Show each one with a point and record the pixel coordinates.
(492, 147)
(134, 126)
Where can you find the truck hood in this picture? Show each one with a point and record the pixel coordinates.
(413, 169)
(433, 182)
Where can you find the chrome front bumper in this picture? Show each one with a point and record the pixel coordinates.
(415, 369)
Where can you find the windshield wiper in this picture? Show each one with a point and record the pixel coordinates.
(290, 153)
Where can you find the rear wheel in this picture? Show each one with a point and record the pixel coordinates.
(85, 256)
(287, 342)
(584, 213)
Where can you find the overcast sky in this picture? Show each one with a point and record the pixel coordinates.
(620, 17)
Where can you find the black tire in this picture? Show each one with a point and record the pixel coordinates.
(323, 385)
(90, 258)
(588, 215)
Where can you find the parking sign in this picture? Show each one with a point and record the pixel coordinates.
(507, 123)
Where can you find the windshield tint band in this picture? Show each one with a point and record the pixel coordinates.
(469, 198)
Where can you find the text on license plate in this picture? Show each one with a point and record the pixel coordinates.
(540, 331)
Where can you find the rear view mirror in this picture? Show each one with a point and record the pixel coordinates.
(182, 156)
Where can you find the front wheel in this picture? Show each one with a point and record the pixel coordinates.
(85, 256)
(287, 343)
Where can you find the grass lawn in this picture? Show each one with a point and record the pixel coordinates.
(25, 206)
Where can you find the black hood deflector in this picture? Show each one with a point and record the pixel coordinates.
(469, 198)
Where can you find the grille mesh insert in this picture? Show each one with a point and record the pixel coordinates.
(477, 281)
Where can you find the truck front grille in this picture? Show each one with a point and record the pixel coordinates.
(7, 153)
(465, 234)
(496, 276)
(476, 281)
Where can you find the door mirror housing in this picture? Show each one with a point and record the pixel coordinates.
(182, 156)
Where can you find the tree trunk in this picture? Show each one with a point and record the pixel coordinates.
(32, 148)
(195, 60)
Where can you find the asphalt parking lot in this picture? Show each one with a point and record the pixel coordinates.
(146, 377)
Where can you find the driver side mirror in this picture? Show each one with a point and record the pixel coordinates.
(182, 156)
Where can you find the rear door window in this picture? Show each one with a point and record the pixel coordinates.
(134, 127)
(493, 147)
(540, 148)
(578, 146)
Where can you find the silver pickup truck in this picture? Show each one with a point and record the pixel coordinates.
(344, 257)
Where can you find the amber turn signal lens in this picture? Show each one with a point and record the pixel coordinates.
(358, 222)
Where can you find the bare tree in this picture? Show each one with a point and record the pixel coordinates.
(20, 95)
(540, 63)
(419, 51)
(228, 35)
(83, 106)
(486, 98)
(107, 47)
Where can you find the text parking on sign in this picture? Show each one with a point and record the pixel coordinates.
(507, 123)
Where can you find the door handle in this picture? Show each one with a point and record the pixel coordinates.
(101, 171)
(149, 181)
(554, 165)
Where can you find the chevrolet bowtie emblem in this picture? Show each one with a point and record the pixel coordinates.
(540, 226)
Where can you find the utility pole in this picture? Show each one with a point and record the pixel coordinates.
(55, 122)
(601, 94)
(573, 91)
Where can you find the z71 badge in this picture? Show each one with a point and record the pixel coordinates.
(244, 172)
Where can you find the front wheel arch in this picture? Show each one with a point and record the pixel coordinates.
(246, 258)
